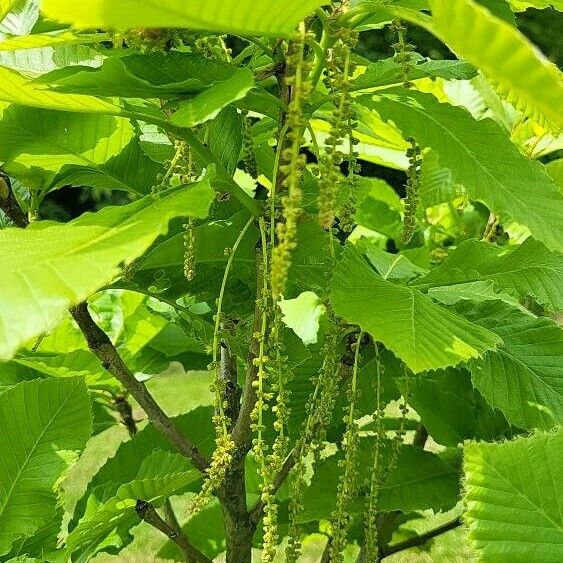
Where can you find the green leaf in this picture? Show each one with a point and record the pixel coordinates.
(44, 423)
(436, 182)
(392, 266)
(513, 493)
(99, 512)
(387, 72)
(452, 410)
(159, 475)
(494, 173)
(14, 88)
(302, 315)
(424, 335)
(240, 17)
(150, 75)
(40, 40)
(527, 78)
(36, 62)
(39, 142)
(225, 138)
(70, 364)
(524, 376)
(49, 267)
(131, 170)
(206, 105)
(527, 270)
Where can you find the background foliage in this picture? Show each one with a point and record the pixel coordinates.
(281, 280)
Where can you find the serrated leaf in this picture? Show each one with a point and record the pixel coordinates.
(424, 335)
(160, 475)
(493, 172)
(527, 78)
(39, 142)
(524, 376)
(527, 270)
(43, 424)
(50, 267)
(513, 493)
(241, 17)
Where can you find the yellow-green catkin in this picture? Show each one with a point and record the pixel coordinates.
(213, 47)
(145, 39)
(225, 447)
(291, 163)
(342, 120)
(412, 188)
(320, 407)
(279, 376)
(348, 483)
(377, 472)
(265, 392)
(403, 52)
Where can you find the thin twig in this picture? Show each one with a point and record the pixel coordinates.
(146, 511)
(9, 204)
(102, 347)
(420, 539)
(242, 434)
(420, 436)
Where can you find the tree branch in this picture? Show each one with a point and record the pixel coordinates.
(420, 437)
(9, 204)
(102, 347)
(125, 411)
(171, 529)
(242, 434)
(419, 540)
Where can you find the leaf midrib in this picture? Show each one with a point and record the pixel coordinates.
(21, 469)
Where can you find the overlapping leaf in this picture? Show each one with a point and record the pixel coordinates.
(49, 267)
(493, 172)
(524, 377)
(527, 270)
(424, 335)
(527, 78)
(242, 17)
(513, 494)
(38, 143)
